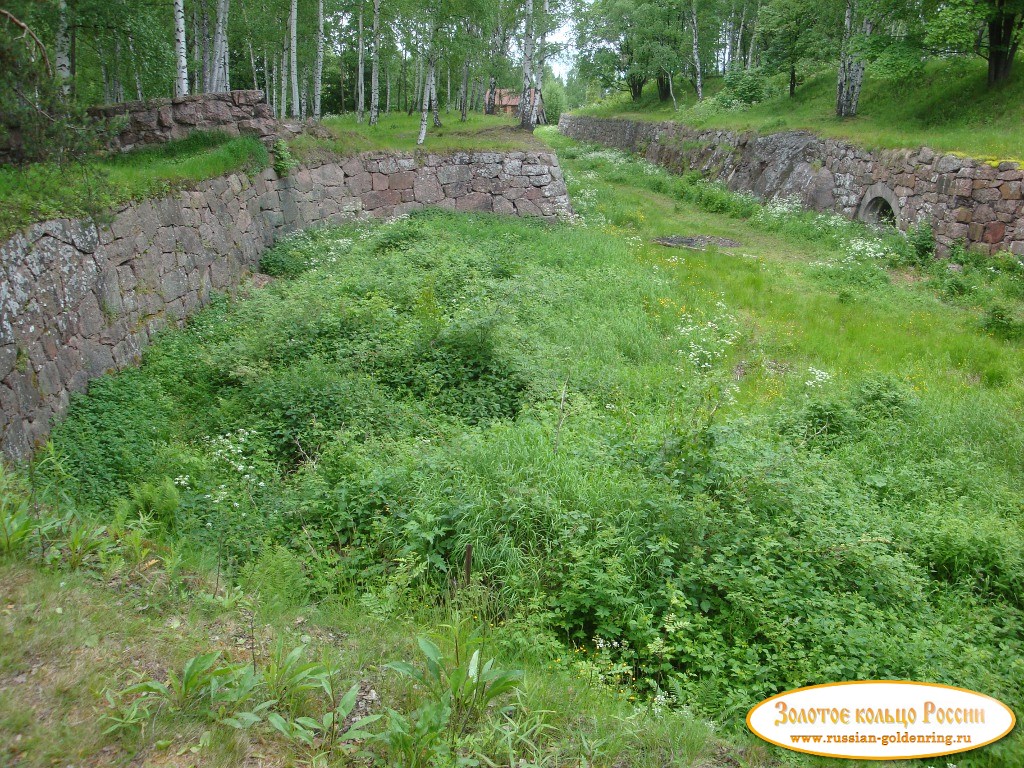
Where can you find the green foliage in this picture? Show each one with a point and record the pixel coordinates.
(16, 525)
(283, 160)
(744, 86)
(187, 689)
(276, 577)
(463, 688)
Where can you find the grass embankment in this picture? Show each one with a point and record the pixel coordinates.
(689, 479)
(94, 187)
(398, 132)
(949, 108)
(90, 188)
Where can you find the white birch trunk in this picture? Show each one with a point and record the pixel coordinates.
(433, 93)
(524, 98)
(63, 49)
(361, 72)
(538, 73)
(219, 58)
(464, 90)
(427, 88)
(293, 24)
(180, 50)
(135, 67)
(318, 69)
(375, 66)
(284, 83)
(697, 70)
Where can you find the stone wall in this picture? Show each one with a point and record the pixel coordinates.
(78, 300)
(964, 199)
(153, 122)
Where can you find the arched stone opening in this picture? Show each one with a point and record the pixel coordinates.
(878, 211)
(879, 207)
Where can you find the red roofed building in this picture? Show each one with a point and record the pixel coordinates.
(506, 102)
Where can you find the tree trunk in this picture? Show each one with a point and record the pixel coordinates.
(318, 67)
(206, 69)
(464, 91)
(672, 93)
(427, 89)
(387, 82)
(1004, 30)
(116, 87)
(269, 75)
(417, 93)
(63, 49)
(663, 87)
(851, 68)
(135, 68)
(536, 111)
(403, 91)
(219, 80)
(753, 36)
(293, 51)
(524, 97)
(180, 50)
(433, 96)
(375, 66)
(361, 72)
(284, 83)
(792, 80)
(492, 94)
(698, 72)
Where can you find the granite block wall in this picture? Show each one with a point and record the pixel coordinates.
(160, 120)
(965, 200)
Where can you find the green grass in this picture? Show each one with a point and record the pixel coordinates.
(690, 478)
(398, 132)
(948, 108)
(90, 188)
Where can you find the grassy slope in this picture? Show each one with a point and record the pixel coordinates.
(795, 306)
(65, 640)
(398, 132)
(42, 191)
(949, 108)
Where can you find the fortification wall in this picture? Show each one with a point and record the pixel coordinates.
(965, 199)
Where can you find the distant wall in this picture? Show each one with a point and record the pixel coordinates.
(965, 199)
(78, 300)
(154, 122)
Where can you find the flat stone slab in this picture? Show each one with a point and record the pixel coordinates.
(697, 242)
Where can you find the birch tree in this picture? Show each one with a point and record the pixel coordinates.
(63, 54)
(293, 64)
(375, 66)
(180, 50)
(318, 68)
(524, 98)
(361, 72)
(698, 71)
